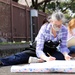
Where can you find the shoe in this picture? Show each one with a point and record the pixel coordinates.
(35, 60)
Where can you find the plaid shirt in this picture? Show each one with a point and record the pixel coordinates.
(45, 34)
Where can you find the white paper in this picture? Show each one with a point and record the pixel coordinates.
(71, 41)
(57, 65)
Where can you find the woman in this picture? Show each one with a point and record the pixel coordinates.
(71, 32)
(51, 40)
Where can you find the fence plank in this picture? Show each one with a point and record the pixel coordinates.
(15, 21)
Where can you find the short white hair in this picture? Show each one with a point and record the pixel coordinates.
(58, 15)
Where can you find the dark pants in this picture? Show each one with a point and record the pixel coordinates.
(72, 49)
(18, 58)
(58, 55)
(23, 57)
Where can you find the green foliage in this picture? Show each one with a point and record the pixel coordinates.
(63, 6)
(72, 7)
(51, 6)
(16, 43)
(74, 16)
(67, 16)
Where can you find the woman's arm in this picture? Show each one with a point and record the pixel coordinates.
(63, 46)
(40, 39)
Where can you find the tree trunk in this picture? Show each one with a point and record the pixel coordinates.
(15, 0)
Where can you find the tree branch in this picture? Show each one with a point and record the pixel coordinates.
(26, 3)
(38, 4)
(69, 5)
(44, 6)
(43, 2)
(33, 3)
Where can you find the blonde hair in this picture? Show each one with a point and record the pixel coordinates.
(71, 25)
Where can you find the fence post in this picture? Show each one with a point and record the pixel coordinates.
(33, 13)
(11, 20)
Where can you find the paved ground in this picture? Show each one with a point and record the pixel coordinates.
(6, 69)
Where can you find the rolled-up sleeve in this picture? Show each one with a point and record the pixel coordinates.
(40, 41)
(63, 46)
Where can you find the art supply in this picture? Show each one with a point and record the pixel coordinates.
(48, 54)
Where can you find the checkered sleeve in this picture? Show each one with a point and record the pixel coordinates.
(40, 41)
(63, 46)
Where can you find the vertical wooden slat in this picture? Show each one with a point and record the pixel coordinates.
(11, 19)
(17, 22)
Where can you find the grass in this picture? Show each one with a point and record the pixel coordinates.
(8, 43)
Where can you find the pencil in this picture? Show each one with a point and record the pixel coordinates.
(48, 54)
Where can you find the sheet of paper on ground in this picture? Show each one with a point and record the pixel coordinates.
(52, 66)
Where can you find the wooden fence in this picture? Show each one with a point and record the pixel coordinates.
(15, 21)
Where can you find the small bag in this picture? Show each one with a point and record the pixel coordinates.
(31, 47)
(50, 46)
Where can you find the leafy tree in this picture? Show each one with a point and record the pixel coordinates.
(49, 6)
(36, 5)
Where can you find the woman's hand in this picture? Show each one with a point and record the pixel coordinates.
(47, 58)
(50, 58)
(67, 57)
